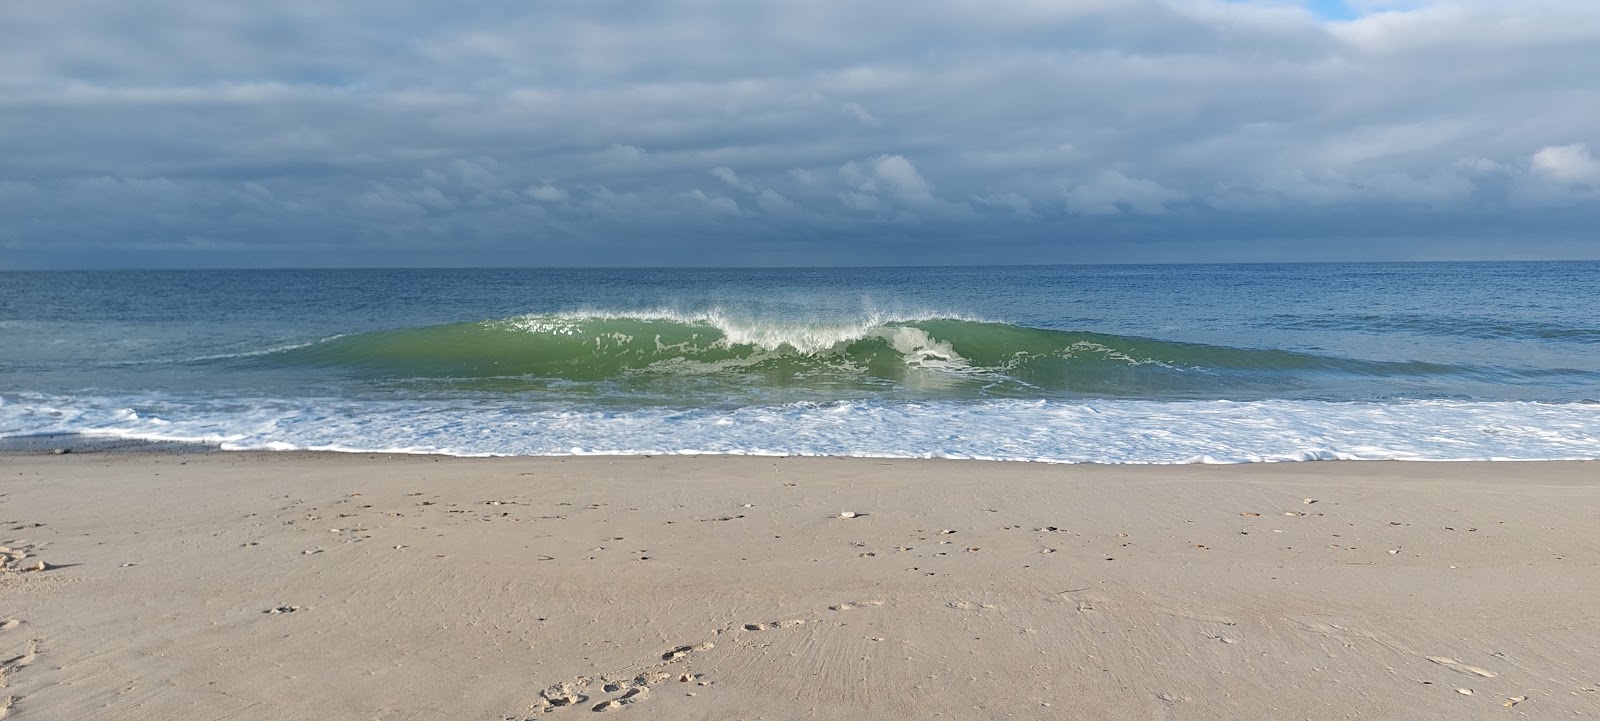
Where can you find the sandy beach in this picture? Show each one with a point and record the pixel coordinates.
(341, 586)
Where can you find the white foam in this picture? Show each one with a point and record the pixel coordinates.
(1090, 347)
(229, 356)
(1112, 431)
(804, 336)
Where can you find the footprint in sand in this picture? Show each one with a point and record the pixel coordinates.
(683, 651)
(1083, 603)
(571, 694)
(10, 667)
(562, 695)
(631, 697)
(1168, 704)
(855, 604)
(969, 605)
(791, 623)
(574, 693)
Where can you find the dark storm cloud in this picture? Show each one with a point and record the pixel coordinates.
(713, 132)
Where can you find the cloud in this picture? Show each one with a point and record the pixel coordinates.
(624, 153)
(726, 175)
(893, 175)
(855, 110)
(1567, 164)
(775, 203)
(716, 203)
(478, 175)
(902, 179)
(1017, 204)
(860, 201)
(385, 201)
(1112, 192)
(548, 193)
(589, 133)
(431, 197)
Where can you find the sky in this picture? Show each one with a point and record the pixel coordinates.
(207, 133)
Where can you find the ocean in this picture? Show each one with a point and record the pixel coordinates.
(1107, 364)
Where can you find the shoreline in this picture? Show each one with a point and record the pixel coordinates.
(50, 443)
(296, 584)
(84, 443)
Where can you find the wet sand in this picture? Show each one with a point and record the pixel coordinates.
(326, 586)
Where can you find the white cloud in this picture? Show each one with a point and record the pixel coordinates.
(726, 175)
(857, 111)
(902, 179)
(773, 202)
(717, 203)
(1567, 164)
(1112, 192)
(891, 174)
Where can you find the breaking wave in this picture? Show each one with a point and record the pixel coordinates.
(959, 353)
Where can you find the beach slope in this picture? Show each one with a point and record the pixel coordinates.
(344, 586)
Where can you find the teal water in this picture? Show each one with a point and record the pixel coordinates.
(1101, 363)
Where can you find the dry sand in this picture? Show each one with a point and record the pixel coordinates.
(307, 586)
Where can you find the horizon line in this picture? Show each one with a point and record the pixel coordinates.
(781, 267)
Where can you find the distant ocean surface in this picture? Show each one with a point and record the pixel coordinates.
(1115, 364)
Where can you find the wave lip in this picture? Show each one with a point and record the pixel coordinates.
(801, 336)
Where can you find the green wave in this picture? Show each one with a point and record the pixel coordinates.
(955, 352)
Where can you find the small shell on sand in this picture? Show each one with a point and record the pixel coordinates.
(847, 514)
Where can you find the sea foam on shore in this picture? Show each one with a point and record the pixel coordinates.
(1108, 431)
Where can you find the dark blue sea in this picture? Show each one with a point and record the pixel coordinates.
(1121, 364)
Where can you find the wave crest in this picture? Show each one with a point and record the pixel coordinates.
(931, 355)
(802, 336)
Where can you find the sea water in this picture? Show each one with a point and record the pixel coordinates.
(1115, 364)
